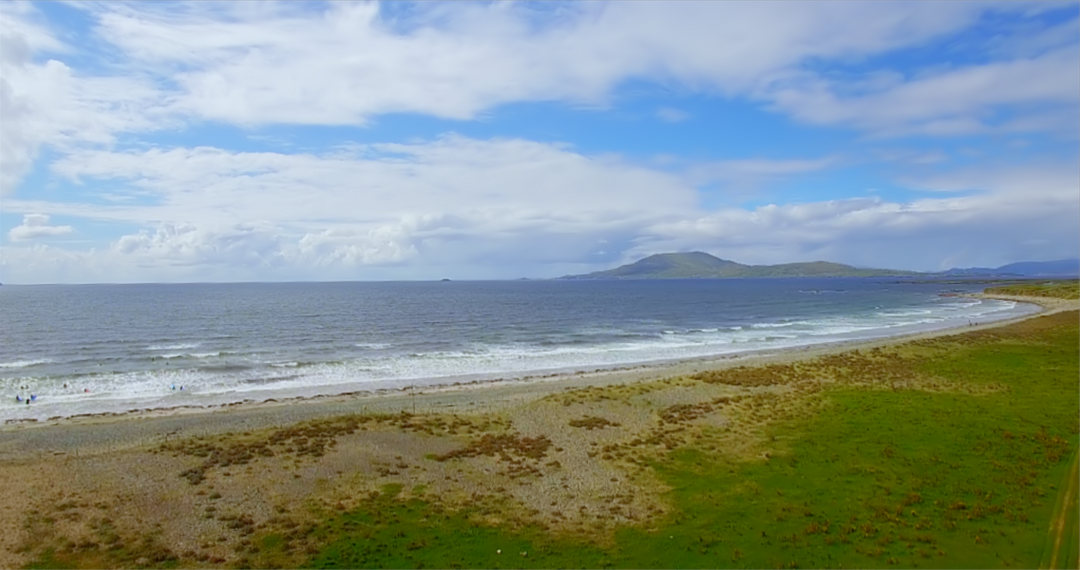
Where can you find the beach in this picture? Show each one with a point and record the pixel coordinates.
(230, 344)
(327, 453)
(474, 397)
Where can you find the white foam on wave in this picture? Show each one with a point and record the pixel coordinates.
(180, 346)
(153, 388)
(774, 325)
(374, 345)
(905, 313)
(24, 363)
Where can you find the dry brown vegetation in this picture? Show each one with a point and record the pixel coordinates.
(592, 422)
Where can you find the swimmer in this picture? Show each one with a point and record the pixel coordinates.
(86, 390)
(33, 397)
(18, 398)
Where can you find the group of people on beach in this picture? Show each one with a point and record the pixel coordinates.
(19, 399)
(27, 399)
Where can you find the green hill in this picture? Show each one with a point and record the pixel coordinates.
(698, 265)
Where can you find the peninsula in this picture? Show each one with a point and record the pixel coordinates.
(700, 265)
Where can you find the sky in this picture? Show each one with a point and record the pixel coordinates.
(308, 141)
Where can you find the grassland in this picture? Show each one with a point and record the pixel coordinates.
(880, 477)
(954, 452)
(1057, 289)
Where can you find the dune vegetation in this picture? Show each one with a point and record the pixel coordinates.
(1056, 289)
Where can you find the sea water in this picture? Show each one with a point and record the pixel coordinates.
(83, 349)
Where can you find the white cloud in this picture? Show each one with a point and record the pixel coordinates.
(49, 104)
(36, 226)
(274, 63)
(188, 244)
(451, 201)
(277, 64)
(500, 178)
(509, 208)
(257, 66)
(959, 101)
(1016, 212)
(505, 207)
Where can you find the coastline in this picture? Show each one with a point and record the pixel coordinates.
(105, 432)
(205, 487)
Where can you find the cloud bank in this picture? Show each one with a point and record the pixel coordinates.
(108, 116)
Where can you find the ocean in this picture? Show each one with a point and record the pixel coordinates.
(85, 349)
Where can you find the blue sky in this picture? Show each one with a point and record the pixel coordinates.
(198, 141)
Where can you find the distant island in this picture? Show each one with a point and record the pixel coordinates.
(700, 265)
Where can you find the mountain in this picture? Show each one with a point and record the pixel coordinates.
(1060, 267)
(698, 265)
(1032, 268)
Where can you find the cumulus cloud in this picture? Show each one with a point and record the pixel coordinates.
(961, 101)
(36, 226)
(345, 63)
(453, 200)
(46, 103)
(497, 178)
(507, 208)
(874, 232)
(249, 244)
(254, 66)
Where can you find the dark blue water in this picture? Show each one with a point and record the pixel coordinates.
(93, 348)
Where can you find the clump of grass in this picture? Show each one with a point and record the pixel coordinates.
(311, 439)
(505, 446)
(591, 422)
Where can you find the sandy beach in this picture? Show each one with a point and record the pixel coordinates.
(111, 431)
(275, 463)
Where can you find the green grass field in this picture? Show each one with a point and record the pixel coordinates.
(881, 478)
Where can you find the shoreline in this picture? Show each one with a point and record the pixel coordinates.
(112, 431)
(57, 411)
(573, 455)
(570, 379)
